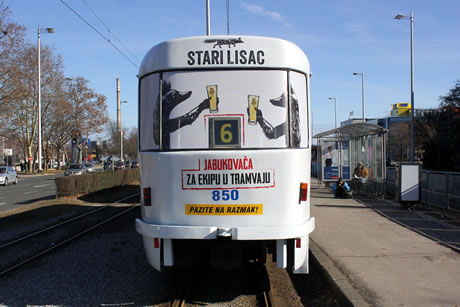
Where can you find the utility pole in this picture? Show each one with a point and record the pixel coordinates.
(119, 119)
(208, 18)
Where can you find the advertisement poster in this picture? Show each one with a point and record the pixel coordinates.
(224, 109)
(345, 160)
(330, 160)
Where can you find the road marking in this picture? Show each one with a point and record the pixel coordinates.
(42, 185)
(29, 192)
(2, 204)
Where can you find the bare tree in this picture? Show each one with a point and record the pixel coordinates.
(130, 147)
(23, 120)
(87, 108)
(11, 42)
(59, 126)
(112, 144)
(51, 84)
(439, 138)
(399, 141)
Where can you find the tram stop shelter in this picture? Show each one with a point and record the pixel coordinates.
(340, 151)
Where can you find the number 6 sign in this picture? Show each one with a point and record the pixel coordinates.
(224, 132)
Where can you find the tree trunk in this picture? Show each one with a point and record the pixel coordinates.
(80, 153)
(29, 152)
(58, 152)
(66, 156)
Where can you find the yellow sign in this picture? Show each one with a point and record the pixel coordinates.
(253, 209)
(212, 95)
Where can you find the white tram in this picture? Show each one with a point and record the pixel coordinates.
(225, 151)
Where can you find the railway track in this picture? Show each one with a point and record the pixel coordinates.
(27, 248)
(191, 280)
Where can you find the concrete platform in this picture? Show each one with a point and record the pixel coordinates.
(371, 260)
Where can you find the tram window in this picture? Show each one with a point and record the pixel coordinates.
(299, 110)
(193, 100)
(149, 113)
(198, 96)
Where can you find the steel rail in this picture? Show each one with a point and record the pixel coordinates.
(183, 290)
(69, 239)
(63, 223)
(265, 285)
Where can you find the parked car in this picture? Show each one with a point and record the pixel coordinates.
(90, 167)
(135, 164)
(76, 169)
(8, 174)
(119, 165)
(107, 165)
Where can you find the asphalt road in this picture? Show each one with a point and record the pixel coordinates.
(28, 190)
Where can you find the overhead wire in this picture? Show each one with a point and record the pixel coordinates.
(108, 40)
(109, 30)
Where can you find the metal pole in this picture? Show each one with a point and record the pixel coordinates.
(39, 109)
(412, 87)
(228, 17)
(362, 94)
(119, 119)
(208, 19)
(121, 140)
(335, 112)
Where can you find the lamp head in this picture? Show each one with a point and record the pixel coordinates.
(399, 17)
(50, 30)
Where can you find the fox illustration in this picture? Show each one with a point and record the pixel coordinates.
(229, 42)
(280, 130)
(171, 99)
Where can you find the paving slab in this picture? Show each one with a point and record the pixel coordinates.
(385, 263)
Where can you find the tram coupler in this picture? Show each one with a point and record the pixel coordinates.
(224, 232)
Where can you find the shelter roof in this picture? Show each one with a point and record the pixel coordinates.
(352, 131)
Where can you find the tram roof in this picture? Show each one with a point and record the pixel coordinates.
(352, 131)
(222, 51)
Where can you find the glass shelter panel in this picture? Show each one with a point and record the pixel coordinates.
(378, 157)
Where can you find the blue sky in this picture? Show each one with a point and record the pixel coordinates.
(339, 37)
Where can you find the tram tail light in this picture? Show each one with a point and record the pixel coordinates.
(303, 192)
(156, 242)
(298, 243)
(147, 198)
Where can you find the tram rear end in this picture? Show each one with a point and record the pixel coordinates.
(225, 152)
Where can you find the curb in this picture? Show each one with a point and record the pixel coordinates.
(344, 292)
(36, 175)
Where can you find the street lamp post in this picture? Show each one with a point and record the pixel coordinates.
(121, 133)
(48, 30)
(362, 90)
(412, 109)
(335, 110)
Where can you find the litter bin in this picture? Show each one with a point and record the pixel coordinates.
(407, 183)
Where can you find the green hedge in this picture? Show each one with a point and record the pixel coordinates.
(93, 182)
